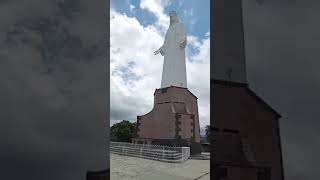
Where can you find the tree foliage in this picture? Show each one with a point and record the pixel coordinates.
(123, 131)
(208, 133)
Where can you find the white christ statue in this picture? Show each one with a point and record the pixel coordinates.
(173, 50)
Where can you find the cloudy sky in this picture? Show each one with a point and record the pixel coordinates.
(137, 29)
(54, 80)
(53, 90)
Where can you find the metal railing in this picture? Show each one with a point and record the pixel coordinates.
(153, 152)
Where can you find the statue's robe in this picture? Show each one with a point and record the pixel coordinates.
(174, 65)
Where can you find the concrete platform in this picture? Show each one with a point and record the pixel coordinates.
(130, 168)
(201, 156)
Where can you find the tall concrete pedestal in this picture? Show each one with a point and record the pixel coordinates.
(173, 121)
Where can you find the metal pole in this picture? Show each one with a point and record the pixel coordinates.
(163, 153)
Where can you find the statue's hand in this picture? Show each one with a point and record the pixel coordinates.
(160, 50)
(156, 52)
(183, 44)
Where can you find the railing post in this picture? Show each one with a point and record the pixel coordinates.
(172, 154)
(163, 154)
(140, 152)
(182, 154)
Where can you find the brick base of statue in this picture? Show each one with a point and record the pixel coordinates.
(173, 121)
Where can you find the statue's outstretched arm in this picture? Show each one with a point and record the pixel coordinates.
(183, 42)
(160, 50)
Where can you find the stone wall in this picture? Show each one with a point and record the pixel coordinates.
(236, 109)
(174, 119)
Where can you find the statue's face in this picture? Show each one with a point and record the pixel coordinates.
(173, 16)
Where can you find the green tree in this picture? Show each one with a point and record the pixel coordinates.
(123, 131)
(208, 133)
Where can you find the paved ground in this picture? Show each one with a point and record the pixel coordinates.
(130, 168)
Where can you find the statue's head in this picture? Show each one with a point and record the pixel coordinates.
(173, 17)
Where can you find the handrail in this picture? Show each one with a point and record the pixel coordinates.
(170, 154)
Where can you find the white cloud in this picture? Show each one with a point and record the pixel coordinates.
(11, 12)
(132, 7)
(193, 21)
(181, 3)
(198, 74)
(157, 8)
(189, 15)
(135, 72)
(131, 42)
(191, 12)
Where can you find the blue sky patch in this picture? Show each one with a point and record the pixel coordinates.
(194, 14)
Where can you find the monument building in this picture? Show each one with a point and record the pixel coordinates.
(244, 129)
(174, 119)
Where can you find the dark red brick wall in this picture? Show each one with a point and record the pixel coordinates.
(162, 122)
(234, 107)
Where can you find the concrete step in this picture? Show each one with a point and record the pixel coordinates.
(202, 156)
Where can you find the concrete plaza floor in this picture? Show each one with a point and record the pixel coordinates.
(131, 168)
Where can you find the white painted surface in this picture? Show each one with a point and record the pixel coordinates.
(173, 50)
